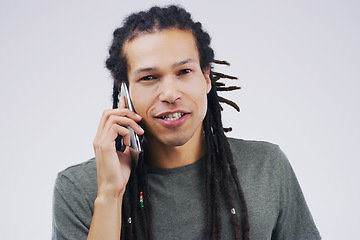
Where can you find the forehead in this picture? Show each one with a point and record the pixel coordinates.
(160, 48)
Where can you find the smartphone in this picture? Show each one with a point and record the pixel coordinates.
(135, 142)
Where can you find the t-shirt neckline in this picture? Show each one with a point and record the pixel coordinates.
(166, 171)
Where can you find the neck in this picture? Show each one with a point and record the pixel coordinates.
(164, 156)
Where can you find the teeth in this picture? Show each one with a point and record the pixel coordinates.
(173, 116)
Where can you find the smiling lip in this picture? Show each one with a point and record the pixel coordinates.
(172, 119)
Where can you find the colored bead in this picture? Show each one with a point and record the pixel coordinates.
(141, 200)
(129, 220)
(233, 211)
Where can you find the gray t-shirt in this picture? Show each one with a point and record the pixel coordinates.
(276, 206)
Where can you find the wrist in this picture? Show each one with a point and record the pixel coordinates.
(106, 221)
(108, 192)
(109, 198)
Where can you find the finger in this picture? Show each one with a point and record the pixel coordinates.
(125, 122)
(115, 130)
(117, 112)
(123, 104)
(103, 119)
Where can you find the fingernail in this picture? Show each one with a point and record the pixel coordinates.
(138, 116)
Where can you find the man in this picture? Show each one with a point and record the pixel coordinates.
(192, 182)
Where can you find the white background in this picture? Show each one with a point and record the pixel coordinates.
(297, 61)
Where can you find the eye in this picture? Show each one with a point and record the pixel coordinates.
(184, 71)
(148, 78)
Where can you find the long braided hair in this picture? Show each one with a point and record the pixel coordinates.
(220, 167)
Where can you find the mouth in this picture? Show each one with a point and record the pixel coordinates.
(172, 119)
(172, 116)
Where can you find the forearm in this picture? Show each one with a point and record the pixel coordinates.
(106, 221)
(113, 170)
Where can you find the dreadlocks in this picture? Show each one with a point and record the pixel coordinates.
(220, 168)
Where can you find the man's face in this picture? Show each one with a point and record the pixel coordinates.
(167, 86)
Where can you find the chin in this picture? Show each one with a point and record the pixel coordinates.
(172, 139)
(175, 141)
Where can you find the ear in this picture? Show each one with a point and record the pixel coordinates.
(206, 73)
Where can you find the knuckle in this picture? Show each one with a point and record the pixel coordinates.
(127, 132)
(96, 142)
(114, 127)
(126, 111)
(112, 118)
(106, 112)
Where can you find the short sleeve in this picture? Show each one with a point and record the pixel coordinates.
(294, 220)
(73, 202)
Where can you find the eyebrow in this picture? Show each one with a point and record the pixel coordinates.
(189, 60)
(175, 65)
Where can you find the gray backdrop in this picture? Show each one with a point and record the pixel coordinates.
(298, 65)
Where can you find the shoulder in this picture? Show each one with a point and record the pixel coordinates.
(250, 150)
(258, 161)
(244, 145)
(83, 168)
(273, 194)
(81, 177)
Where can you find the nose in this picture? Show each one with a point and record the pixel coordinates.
(169, 90)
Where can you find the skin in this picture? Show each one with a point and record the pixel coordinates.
(164, 77)
(167, 78)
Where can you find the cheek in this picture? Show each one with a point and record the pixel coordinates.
(140, 99)
(199, 91)
(204, 105)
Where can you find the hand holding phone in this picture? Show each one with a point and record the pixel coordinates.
(135, 141)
